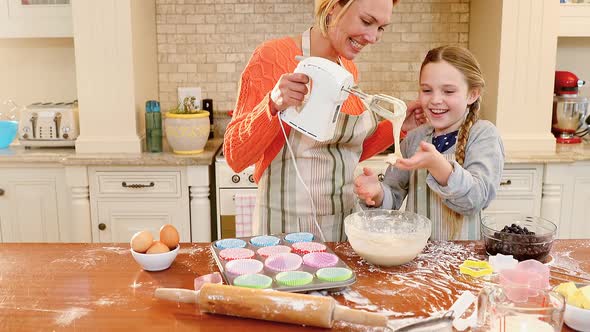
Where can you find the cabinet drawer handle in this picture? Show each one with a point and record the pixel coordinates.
(137, 185)
(102, 226)
(380, 177)
(1, 192)
(506, 183)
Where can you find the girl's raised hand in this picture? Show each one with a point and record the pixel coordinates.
(429, 158)
(426, 157)
(290, 90)
(368, 188)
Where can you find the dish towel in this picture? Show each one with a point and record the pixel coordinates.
(245, 204)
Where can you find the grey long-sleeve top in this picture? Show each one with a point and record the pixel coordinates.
(470, 187)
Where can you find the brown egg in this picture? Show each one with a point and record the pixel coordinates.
(157, 248)
(141, 241)
(169, 236)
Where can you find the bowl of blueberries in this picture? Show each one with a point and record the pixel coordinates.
(523, 237)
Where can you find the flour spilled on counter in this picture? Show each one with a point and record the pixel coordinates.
(69, 316)
(84, 261)
(563, 262)
(118, 250)
(362, 302)
(355, 297)
(192, 250)
(115, 300)
(104, 301)
(90, 258)
(432, 279)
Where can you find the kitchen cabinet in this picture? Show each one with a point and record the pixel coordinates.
(33, 205)
(520, 191)
(574, 20)
(566, 198)
(126, 200)
(35, 18)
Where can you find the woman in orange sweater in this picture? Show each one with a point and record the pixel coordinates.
(268, 86)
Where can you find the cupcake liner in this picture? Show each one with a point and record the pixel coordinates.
(307, 247)
(333, 274)
(299, 237)
(244, 266)
(294, 278)
(265, 241)
(230, 254)
(266, 252)
(259, 281)
(230, 243)
(320, 259)
(283, 262)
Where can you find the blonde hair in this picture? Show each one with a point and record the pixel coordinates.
(464, 61)
(323, 9)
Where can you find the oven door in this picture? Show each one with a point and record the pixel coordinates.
(226, 224)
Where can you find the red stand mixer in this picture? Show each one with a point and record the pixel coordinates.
(570, 111)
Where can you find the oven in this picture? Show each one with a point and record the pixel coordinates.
(230, 186)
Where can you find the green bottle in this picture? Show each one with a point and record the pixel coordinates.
(153, 126)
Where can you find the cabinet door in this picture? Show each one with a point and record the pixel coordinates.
(581, 208)
(35, 18)
(29, 205)
(119, 220)
(566, 198)
(519, 193)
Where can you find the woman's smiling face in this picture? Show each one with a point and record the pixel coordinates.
(444, 96)
(362, 24)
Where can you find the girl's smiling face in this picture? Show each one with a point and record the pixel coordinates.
(362, 24)
(444, 96)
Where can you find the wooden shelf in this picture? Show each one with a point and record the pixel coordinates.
(574, 20)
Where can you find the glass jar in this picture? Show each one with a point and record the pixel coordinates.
(503, 309)
(153, 126)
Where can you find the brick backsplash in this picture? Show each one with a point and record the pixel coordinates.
(207, 43)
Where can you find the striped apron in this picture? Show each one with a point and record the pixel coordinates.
(326, 168)
(425, 202)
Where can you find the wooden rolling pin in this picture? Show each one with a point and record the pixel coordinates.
(271, 305)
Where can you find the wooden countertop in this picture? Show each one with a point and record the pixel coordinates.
(91, 287)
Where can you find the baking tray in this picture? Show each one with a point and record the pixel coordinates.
(316, 283)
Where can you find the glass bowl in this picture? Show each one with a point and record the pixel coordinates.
(524, 237)
(387, 237)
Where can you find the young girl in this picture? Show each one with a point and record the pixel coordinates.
(452, 165)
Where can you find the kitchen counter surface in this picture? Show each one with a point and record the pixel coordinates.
(69, 157)
(563, 153)
(92, 287)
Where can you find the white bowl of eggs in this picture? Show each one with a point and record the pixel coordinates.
(155, 255)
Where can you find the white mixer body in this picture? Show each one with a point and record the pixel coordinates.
(318, 116)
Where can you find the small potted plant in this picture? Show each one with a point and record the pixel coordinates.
(187, 128)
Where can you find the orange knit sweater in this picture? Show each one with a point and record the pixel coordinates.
(254, 136)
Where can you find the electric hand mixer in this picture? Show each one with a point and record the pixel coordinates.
(331, 85)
